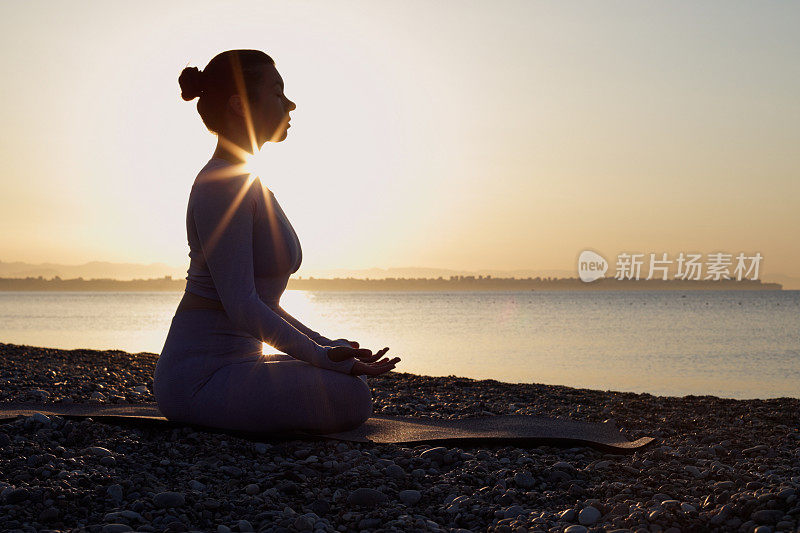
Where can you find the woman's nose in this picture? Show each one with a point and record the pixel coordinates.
(292, 106)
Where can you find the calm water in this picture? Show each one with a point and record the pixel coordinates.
(731, 344)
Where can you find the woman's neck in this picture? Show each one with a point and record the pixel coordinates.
(231, 151)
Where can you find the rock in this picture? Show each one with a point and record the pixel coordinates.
(514, 511)
(115, 491)
(395, 471)
(693, 470)
(244, 525)
(369, 523)
(435, 454)
(724, 485)
(524, 480)
(320, 507)
(575, 528)
(126, 513)
(555, 476)
(567, 516)
(42, 419)
(15, 496)
(99, 451)
(211, 503)
(767, 516)
(196, 485)
(410, 497)
(223, 529)
(588, 516)
(116, 528)
(232, 471)
(50, 514)
(755, 449)
(366, 497)
(252, 489)
(304, 523)
(165, 500)
(39, 394)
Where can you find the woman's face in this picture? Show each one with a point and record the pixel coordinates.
(271, 112)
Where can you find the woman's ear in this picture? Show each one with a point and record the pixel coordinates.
(235, 105)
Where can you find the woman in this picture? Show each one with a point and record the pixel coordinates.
(242, 248)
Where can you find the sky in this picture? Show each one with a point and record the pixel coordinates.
(464, 135)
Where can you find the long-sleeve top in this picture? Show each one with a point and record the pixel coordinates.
(242, 250)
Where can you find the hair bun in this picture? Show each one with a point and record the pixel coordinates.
(191, 82)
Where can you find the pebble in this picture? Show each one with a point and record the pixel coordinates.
(365, 496)
(524, 480)
(168, 499)
(116, 528)
(410, 496)
(434, 454)
(395, 471)
(588, 516)
(99, 451)
(42, 418)
(693, 470)
(568, 515)
(514, 511)
(708, 471)
(115, 491)
(767, 516)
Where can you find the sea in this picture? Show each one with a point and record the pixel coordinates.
(732, 344)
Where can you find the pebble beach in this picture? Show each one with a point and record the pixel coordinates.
(717, 464)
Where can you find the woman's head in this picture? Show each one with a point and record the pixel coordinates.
(235, 84)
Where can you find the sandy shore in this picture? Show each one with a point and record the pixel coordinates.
(718, 465)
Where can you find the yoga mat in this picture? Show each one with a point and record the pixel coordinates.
(519, 430)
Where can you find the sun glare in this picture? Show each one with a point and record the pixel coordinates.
(257, 164)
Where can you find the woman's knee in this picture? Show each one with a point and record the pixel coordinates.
(363, 396)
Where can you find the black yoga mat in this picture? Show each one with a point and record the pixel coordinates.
(519, 430)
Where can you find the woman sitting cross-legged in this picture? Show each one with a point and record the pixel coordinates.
(243, 249)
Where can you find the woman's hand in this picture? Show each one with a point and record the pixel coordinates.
(366, 362)
(354, 344)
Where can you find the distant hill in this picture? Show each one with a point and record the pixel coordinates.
(427, 272)
(131, 271)
(128, 271)
(454, 283)
(91, 270)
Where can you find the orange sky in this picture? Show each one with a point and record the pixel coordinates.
(465, 135)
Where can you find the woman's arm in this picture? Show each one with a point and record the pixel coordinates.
(310, 333)
(223, 214)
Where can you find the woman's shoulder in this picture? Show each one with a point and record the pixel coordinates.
(224, 182)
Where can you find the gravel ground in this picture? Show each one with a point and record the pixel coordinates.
(718, 464)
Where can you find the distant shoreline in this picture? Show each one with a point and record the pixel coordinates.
(453, 284)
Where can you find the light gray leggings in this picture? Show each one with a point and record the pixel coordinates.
(213, 374)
